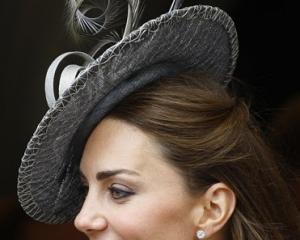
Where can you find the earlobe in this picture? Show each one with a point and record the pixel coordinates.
(218, 204)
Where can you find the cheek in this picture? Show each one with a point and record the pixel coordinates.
(153, 219)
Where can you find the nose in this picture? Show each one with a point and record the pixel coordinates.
(90, 220)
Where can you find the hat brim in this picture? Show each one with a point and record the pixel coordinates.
(198, 38)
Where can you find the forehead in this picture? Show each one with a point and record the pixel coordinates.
(116, 144)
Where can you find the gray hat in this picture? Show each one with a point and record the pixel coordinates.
(197, 38)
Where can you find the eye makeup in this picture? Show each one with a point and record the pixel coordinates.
(119, 191)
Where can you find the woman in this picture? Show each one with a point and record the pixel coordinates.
(136, 149)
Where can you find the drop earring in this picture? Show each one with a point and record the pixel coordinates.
(200, 234)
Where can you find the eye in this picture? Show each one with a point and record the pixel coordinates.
(120, 191)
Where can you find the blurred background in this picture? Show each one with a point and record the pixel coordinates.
(33, 34)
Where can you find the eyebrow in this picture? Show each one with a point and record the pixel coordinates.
(110, 173)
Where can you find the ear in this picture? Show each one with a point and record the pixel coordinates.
(214, 209)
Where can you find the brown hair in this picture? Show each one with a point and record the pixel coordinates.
(209, 135)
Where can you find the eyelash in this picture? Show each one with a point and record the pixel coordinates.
(112, 190)
(124, 194)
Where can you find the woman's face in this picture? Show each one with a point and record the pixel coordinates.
(133, 193)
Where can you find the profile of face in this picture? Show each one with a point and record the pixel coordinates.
(135, 194)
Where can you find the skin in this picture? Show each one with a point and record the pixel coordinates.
(148, 200)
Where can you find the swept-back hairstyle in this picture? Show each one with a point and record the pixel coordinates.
(208, 134)
(204, 131)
